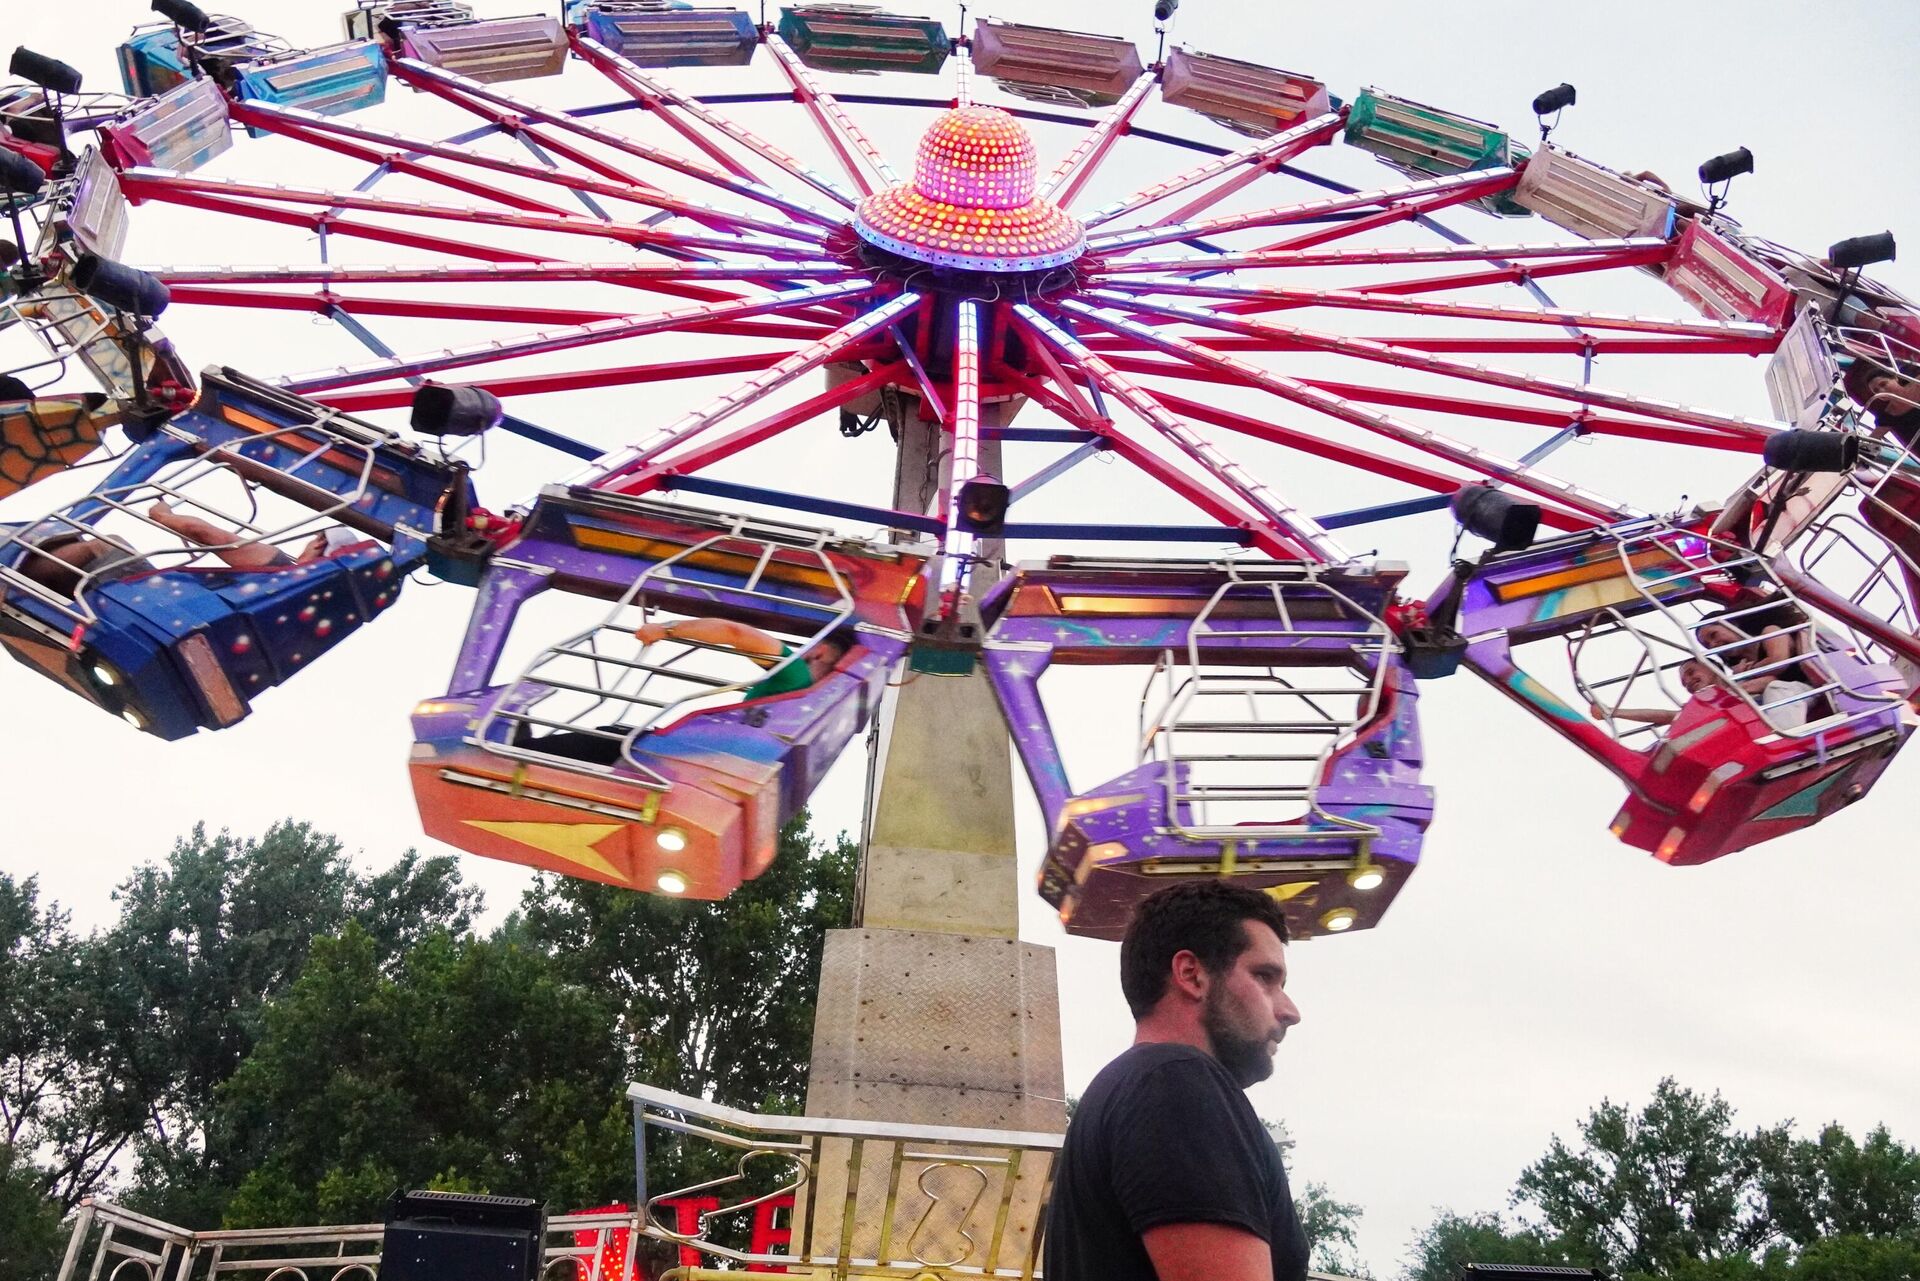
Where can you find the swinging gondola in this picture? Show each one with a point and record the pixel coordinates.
(104, 599)
(1278, 741)
(1730, 711)
(648, 762)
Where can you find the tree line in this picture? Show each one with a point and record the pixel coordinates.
(267, 1035)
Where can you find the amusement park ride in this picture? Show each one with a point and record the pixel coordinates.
(1745, 668)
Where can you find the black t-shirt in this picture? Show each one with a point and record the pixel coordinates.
(1164, 1135)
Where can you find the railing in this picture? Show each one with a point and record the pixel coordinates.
(128, 1246)
(872, 1200)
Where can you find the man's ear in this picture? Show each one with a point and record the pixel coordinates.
(1190, 977)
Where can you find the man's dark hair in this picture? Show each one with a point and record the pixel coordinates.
(1202, 917)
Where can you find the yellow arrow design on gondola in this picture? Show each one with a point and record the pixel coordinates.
(573, 842)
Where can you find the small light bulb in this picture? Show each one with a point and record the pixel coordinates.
(1341, 918)
(133, 718)
(104, 674)
(1366, 878)
(671, 839)
(671, 882)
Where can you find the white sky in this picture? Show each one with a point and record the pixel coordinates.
(1534, 964)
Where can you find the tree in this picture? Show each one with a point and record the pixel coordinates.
(714, 999)
(1454, 1240)
(1831, 1186)
(30, 1231)
(474, 1065)
(1328, 1224)
(1645, 1191)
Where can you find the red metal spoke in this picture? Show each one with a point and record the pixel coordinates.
(1407, 255)
(161, 185)
(635, 457)
(1080, 164)
(598, 272)
(1397, 212)
(1282, 529)
(1510, 471)
(367, 400)
(658, 475)
(1752, 339)
(1449, 190)
(1262, 158)
(333, 132)
(1565, 345)
(696, 317)
(1407, 357)
(1366, 460)
(1589, 423)
(658, 98)
(530, 120)
(1520, 273)
(854, 150)
(795, 330)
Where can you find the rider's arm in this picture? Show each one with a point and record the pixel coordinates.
(724, 633)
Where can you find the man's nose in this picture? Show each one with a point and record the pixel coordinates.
(1285, 1012)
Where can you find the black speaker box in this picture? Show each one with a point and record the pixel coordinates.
(456, 1236)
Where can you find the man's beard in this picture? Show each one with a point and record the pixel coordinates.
(1248, 1060)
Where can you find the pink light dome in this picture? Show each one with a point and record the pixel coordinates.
(971, 201)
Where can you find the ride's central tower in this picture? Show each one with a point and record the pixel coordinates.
(932, 1010)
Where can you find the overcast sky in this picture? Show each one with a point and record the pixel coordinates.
(1533, 965)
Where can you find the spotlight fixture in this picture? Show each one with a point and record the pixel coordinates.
(20, 181)
(1163, 10)
(982, 507)
(670, 839)
(1552, 103)
(671, 882)
(1366, 878)
(50, 74)
(123, 288)
(1812, 451)
(1339, 920)
(1861, 251)
(455, 411)
(1503, 520)
(184, 15)
(1720, 171)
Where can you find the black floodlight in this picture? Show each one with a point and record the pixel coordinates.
(185, 15)
(1810, 451)
(19, 176)
(1552, 103)
(455, 411)
(1717, 175)
(49, 73)
(1726, 167)
(123, 288)
(983, 507)
(1163, 10)
(1861, 251)
(1503, 520)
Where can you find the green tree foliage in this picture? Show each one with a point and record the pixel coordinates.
(1453, 1240)
(1651, 1189)
(714, 999)
(1675, 1191)
(30, 1231)
(472, 1065)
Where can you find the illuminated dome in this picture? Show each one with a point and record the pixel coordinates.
(971, 201)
